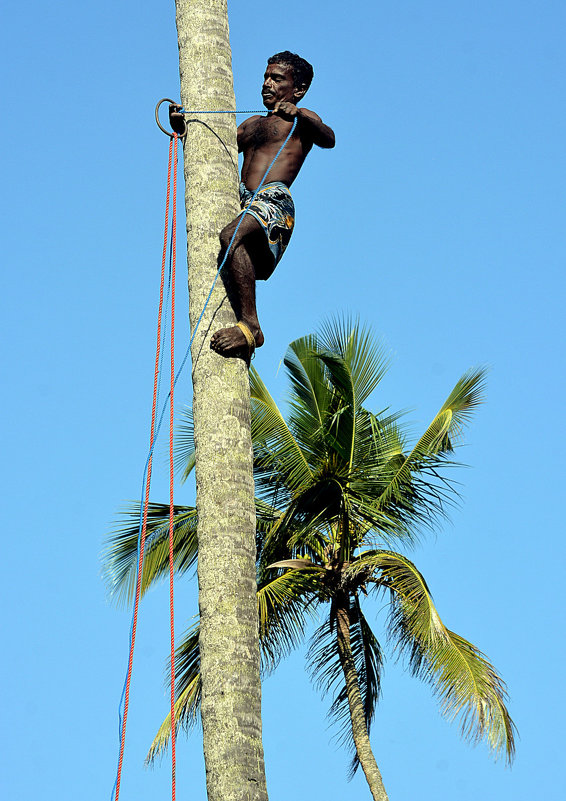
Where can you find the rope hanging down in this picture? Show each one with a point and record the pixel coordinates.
(146, 482)
(171, 471)
(154, 434)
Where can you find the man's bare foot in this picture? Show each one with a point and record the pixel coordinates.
(229, 340)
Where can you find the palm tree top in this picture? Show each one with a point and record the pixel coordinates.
(333, 455)
(338, 488)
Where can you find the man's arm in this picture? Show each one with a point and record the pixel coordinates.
(321, 134)
(242, 130)
(310, 123)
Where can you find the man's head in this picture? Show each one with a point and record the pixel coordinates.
(287, 78)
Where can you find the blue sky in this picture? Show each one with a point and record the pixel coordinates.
(438, 219)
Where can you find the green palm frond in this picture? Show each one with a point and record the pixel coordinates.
(378, 453)
(187, 714)
(331, 376)
(378, 440)
(187, 692)
(288, 538)
(418, 502)
(303, 529)
(437, 439)
(266, 517)
(323, 662)
(340, 424)
(187, 659)
(309, 541)
(309, 397)
(277, 453)
(319, 503)
(120, 557)
(184, 452)
(371, 666)
(371, 523)
(285, 606)
(466, 396)
(366, 357)
(465, 682)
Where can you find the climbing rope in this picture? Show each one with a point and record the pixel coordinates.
(171, 465)
(226, 111)
(154, 434)
(180, 110)
(146, 481)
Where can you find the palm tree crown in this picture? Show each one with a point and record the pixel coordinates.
(337, 488)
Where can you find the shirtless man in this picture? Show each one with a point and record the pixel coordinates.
(267, 226)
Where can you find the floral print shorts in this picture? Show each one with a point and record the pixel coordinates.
(274, 209)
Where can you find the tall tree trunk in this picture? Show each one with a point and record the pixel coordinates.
(355, 702)
(229, 644)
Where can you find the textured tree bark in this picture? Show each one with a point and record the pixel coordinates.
(359, 728)
(229, 646)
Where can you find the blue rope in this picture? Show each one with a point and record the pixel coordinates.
(167, 399)
(253, 111)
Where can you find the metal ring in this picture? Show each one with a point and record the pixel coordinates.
(166, 100)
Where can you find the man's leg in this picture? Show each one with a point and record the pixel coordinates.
(249, 242)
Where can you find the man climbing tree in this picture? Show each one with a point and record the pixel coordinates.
(265, 230)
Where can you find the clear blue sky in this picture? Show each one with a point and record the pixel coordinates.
(438, 218)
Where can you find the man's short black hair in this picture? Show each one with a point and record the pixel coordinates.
(302, 71)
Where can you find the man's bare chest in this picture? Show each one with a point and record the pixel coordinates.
(266, 131)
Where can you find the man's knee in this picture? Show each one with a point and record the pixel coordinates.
(226, 235)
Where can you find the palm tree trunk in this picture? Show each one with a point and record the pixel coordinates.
(357, 717)
(229, 645)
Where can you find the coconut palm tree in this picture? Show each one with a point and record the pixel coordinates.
(231, 703)
(337, 487)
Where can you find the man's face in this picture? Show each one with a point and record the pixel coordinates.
(278, 86)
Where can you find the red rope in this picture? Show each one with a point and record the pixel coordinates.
(171, 507)
(148, 481)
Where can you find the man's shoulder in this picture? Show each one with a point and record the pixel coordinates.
(252, 119)
(307, 112)
(247, 127)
